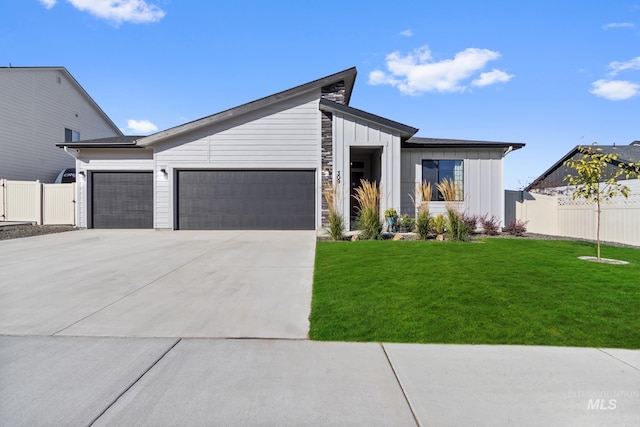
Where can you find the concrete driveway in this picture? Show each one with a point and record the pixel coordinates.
(146, 283)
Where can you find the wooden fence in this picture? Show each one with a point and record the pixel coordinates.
(47, 204)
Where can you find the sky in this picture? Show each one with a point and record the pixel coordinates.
(550, 74)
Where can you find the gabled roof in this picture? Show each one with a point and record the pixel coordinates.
(348, 76)
(418, 142)
(405, 131)
(109, 142)
(626, 154)
(79, 88)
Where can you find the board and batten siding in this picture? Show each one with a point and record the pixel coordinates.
(350, 132)
(35, 107)
(483, 179)
(89, 160)
(285, 135)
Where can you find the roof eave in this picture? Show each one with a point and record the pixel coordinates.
(419, 142)
(404, 130)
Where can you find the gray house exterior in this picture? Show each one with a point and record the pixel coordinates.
(40, 106)
(263, 165)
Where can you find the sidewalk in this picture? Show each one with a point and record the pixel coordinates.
(148, 381)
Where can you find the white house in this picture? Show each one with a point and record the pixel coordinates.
(40, 106)
(262, 165)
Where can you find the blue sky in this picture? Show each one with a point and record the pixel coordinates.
(551, 74)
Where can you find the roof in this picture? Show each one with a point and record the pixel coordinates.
(348, 76)
(419, 142)
(626, 154)
(110, 142)
(405, 131)
(77, 85)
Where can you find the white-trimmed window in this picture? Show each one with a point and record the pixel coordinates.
(435, 171)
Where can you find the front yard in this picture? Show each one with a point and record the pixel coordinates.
(493, 291)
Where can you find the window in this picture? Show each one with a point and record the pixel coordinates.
(434, 171)
(71, 135)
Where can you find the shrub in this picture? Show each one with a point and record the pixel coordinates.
(331, 194)
(406, 222)
(517, 227)
(490, 225)
(423, 224)
(439, 224)
(453, 195)
(471, 222)
(368, 221)
(457, 228)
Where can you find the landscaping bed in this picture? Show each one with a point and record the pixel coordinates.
(19, 231)
(489, 291)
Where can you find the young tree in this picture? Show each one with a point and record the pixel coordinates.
(596, 181)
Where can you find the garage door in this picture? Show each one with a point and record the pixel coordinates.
(122, 199)
(246, 200)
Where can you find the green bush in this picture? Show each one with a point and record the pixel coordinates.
(423, 224)
(439, 224)
(457, 228)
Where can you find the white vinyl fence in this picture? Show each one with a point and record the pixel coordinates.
(48, 204)
(564, 216)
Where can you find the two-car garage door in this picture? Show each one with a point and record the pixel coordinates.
(245, 200)
(208, 200)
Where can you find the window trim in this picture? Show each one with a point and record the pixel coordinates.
(435, 194)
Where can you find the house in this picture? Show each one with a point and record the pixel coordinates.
(552, 180)
(40, 106)
(262, 165)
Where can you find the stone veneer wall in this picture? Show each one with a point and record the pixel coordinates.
(336, 93)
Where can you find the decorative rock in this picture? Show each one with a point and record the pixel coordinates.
(397, 236)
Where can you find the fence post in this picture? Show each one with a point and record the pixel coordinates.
(3, 199)
(39, 203)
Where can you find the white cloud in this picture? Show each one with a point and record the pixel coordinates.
(118, 11)
(615, 90)
(492, 77)
(417, 72)
(632, 64)
(141, 126)
(48, 3)
(613, 25)
(406, 33)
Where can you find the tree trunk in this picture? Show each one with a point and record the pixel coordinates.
(598, 227)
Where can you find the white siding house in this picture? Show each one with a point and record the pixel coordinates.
(263, 165)
(40, 106)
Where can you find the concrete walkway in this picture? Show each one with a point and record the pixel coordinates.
(122, 328)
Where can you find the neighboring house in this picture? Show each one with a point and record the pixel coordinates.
(40, 106)
(262, 165)
(552, 180)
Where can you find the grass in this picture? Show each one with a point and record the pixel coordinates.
(495, 291)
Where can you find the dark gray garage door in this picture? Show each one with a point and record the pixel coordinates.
(246, 200)
(122, 199)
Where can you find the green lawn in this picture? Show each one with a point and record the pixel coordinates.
(494, 291)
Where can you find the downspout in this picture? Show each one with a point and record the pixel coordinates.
(73, 153)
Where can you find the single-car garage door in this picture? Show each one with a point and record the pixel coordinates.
(122, 199)
(246, 200)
